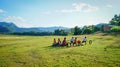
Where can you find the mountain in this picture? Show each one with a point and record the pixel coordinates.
(100, 24)
(8, 26)
(11, 27)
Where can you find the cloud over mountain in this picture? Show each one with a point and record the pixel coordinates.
(80, 7)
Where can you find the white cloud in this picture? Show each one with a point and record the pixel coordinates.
(109, 6)
(19, 21)
(66, 11)
(84, 7)
(80, 7)
(15, 19)
(2, 11)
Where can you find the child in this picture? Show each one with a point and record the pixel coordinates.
(59, 42)
(54, 42)
(71, 41)
(64, 43)
(79, 42)
(75, 41)
(84, 40)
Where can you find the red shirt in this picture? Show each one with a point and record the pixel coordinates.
(78, 41)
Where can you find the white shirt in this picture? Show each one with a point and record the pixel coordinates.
(72, 39)
(84, 39)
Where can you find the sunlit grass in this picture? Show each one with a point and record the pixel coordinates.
(36, 51)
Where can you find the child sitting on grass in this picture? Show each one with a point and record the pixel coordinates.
(84, 40)
(75, 41)
(54, 42)
(71, 41)
(59, 42)
(79, 42)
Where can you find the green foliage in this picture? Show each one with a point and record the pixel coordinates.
(72, 31)
(115, 29)
(115, 20)
(33, 33)
(88, 29)
(101, 28)
(96, 29)
(60, 32)
(77, 30)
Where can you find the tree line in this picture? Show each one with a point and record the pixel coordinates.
(115, 22)
(61, 32)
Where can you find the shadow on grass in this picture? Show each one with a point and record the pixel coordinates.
(56, 47)
(59, 47)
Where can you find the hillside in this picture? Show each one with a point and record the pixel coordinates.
(6, 27)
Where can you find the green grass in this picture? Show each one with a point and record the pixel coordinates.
(36, 51)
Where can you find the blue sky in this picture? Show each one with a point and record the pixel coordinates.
(67, 13)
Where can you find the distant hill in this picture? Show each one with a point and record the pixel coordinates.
(10, 27)
(100, 24)
(6, 27)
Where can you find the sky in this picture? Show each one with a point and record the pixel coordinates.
(66, 13)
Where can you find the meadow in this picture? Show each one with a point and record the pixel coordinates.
(36, 51)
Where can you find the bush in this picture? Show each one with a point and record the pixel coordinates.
(115, 29)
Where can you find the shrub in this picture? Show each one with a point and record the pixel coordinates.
(115, 29)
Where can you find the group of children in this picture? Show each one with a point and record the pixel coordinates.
(73, 41)
(59, 43)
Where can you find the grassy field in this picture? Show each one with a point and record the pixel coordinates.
(36, 51)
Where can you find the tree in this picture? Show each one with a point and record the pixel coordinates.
(77, 30)
(88, 29)
(60, 32)
(101, 28)
(92, 28)
(72, 31)
(115, 20)
(56, 32)
(96, 29)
